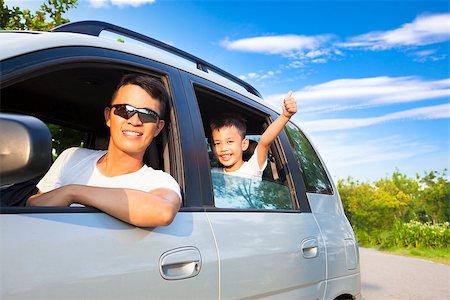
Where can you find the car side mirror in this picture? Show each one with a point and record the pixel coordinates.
(25, 148)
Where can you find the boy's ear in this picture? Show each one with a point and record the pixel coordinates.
(245, 144)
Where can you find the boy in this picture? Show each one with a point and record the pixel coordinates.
(229, 141)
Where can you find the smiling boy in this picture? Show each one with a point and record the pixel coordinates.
(229, 141)
(117, 181)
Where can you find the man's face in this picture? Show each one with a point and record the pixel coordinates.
(132, 136)
(228, 146)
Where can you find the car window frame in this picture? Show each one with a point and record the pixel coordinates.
(294, 180)
(34, 64)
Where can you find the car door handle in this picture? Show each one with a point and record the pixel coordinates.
(180, 263)
(310, 248)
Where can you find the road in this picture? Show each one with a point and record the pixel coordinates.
(393, 277)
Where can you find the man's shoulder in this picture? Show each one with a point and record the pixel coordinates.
(76, 155)
(80, 153)
(154, 172)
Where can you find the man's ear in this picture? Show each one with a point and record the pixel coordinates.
(245, 144)
(160, 125)
(106, 113)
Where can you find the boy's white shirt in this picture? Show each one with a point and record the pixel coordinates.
(249, 169)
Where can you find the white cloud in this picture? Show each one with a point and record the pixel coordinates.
(258, 76)
(429, 112)
(357, 93)
(424, 30)
(301, 48)
(428, 55)
(120, 3)
(98, 3)
(277, 44)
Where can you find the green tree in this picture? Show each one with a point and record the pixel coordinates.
(17, 19)
(374, 208)
(434, 197)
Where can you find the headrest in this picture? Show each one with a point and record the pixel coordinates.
(249, 152)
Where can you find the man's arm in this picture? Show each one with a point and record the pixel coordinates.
(271, 133)
(144, 209)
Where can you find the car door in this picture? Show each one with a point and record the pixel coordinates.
(83, 253)
(268, 241)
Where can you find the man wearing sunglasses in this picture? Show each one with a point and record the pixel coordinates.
(117, 181)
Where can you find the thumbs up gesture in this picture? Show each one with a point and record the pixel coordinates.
(289, 105)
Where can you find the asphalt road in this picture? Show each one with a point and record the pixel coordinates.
(387, 276)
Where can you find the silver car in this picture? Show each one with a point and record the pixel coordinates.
(283, 237)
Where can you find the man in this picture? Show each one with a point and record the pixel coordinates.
(117, 181)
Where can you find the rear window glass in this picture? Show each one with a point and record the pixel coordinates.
(314, 175)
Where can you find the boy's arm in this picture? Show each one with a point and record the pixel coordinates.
(144, 209)
(271, 133)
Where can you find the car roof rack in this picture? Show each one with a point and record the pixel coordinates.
(94, 28)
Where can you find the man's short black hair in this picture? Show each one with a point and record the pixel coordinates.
(151, 85)
(229, 120)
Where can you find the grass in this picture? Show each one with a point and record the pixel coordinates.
(441, 256)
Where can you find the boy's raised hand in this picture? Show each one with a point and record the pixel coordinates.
(289, 105)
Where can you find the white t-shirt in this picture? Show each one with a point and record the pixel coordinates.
(249, 169)
(79, 166)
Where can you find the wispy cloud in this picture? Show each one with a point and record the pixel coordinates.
(428, 55)
(429, 112)
(357, 93)
(120, 3)
(297, 47)
(277, 44)
(253, 76)
(424, 30)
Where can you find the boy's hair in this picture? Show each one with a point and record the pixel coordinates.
(229, 120)
(151, 85)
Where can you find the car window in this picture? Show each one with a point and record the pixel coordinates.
(314, 175)
(71, 99)
(244, 192)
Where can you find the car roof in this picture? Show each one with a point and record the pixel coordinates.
(87, 33)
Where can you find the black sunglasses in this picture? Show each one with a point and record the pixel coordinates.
(126, 111)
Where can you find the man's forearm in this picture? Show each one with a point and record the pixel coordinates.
(144, 209)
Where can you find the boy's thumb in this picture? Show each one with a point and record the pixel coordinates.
(289, 95)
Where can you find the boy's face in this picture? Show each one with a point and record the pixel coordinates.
(132, 136)
(228, 146)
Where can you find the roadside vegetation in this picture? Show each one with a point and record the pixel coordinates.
(408, 216)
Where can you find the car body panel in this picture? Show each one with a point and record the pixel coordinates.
(261, 255)
(94, 256)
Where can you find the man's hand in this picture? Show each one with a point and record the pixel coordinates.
(289, 105)
(57, 197)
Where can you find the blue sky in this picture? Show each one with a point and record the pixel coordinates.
(371, 78)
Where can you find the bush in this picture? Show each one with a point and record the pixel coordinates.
(408, 235)
(399, 211)
(418, 235)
